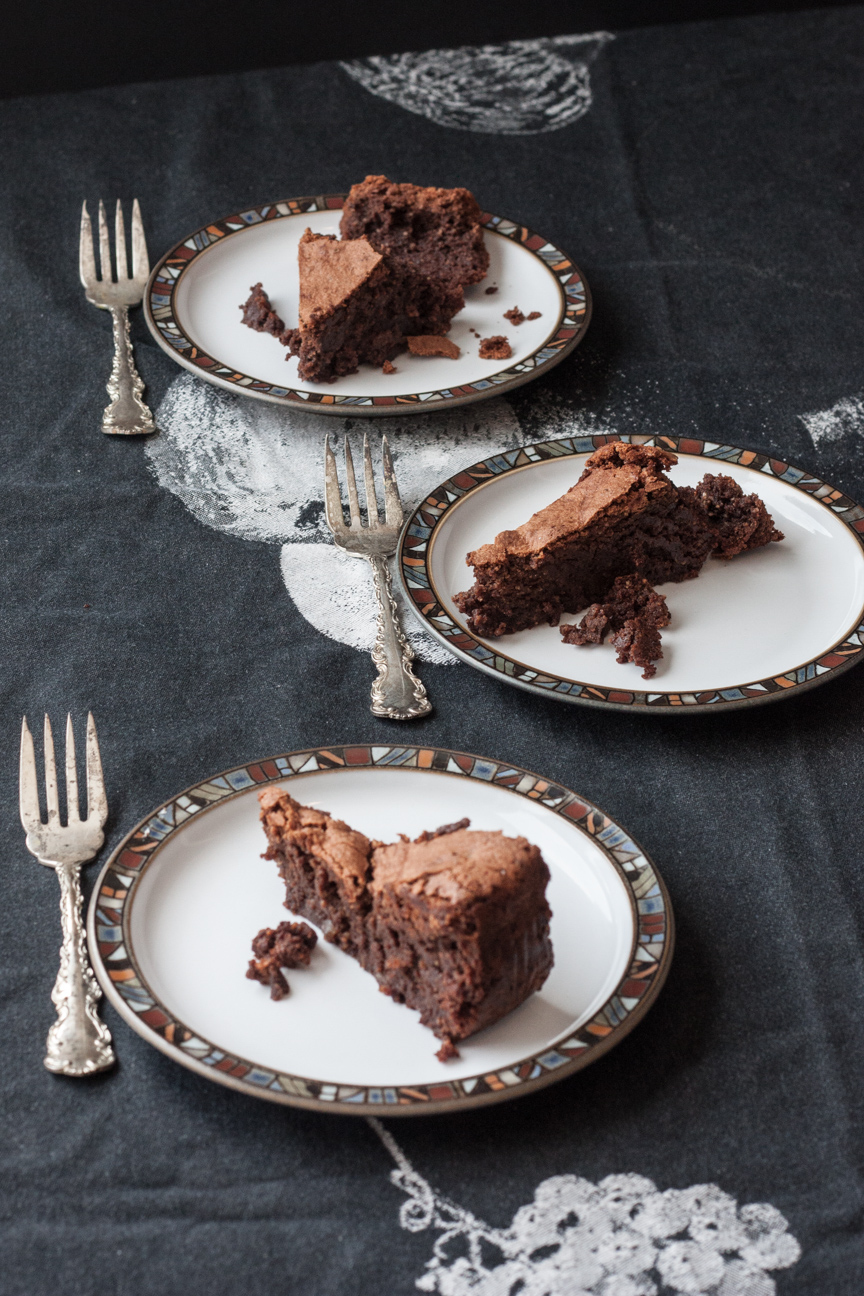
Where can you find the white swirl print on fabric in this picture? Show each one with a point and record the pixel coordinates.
(846, 418)
(620, 1237)
(256, 471)
(523, 87)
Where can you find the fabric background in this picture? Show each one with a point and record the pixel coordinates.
(712, 195)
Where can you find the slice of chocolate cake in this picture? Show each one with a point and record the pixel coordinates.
(460, 927)
(436, 233)
(324, 864)
(351, 309)
(623, 516)
(358, 307)
(454, 924)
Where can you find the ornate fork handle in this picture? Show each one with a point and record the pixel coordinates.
(78, 1042)
(127, 415)
(397, 693)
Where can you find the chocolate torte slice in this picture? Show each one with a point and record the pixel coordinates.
(325, 866)
(624, 516)
(435, 233)
(351, 308)
(460, 927)
(454, 924)
(358, 306)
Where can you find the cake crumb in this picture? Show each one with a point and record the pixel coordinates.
(516, 317)
(388, 368)
(258, 313)
(634, 613)
(490, 291)
(430, 345)
(289, 945)
(495, 348)
(447, 1051)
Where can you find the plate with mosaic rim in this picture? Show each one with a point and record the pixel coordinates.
(192, 309)
(765, 625)
(175, 908)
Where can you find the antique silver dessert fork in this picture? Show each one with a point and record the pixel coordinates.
(397, 693)
(78, 1042)
(127, 415)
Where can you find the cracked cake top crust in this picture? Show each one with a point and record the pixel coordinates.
(618, 480)
(330, 271)
(459, 867)
(345, 850)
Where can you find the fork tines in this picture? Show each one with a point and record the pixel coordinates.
(87, 260)
(333, 499)
(97, 801)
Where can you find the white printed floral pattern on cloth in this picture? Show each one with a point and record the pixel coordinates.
(256, 471)
(522, 87)
(620, 1237)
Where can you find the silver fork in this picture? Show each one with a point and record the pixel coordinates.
(127, 415)
(397, 693)
(78, 1042)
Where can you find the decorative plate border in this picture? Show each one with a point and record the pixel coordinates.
(420, 529)
(160, 313)
(122, 981)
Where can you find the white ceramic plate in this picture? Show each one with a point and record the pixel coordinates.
(175, 909)
(766, 624)
(195, 291)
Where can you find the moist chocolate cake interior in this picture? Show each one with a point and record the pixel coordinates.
(436, 233)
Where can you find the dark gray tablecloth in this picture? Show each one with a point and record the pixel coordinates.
(712, 194)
